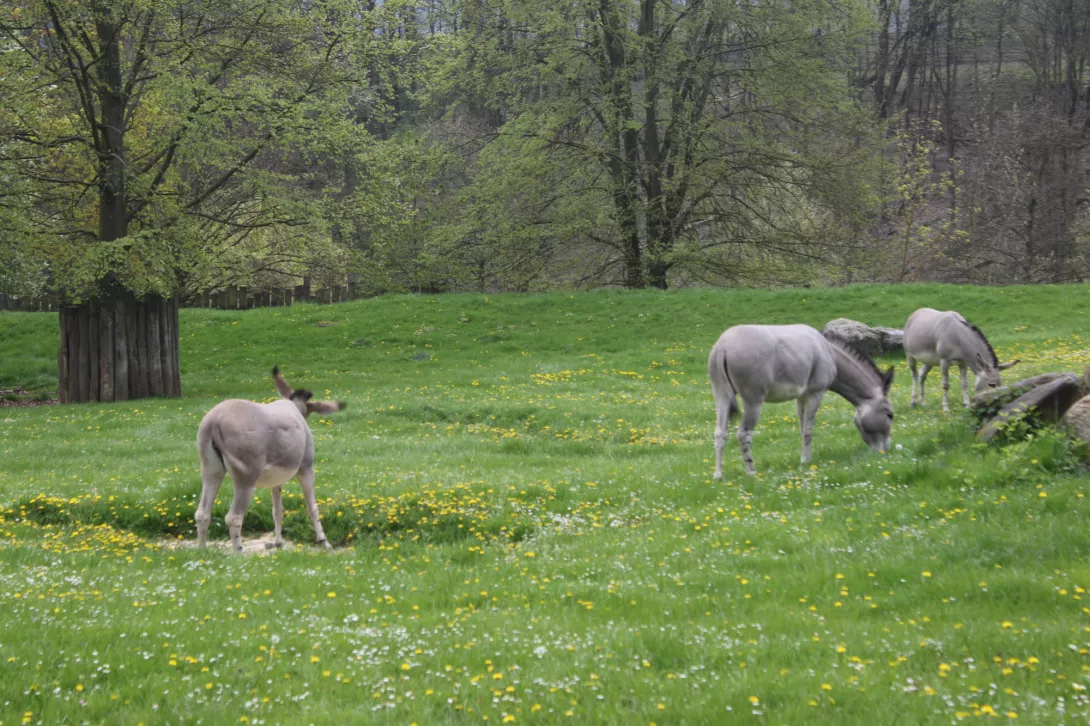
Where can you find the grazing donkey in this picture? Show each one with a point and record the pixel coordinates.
(937, 338)
(778, 363)
(262, 445)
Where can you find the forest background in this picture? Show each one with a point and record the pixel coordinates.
(442, 145)
(151, 150)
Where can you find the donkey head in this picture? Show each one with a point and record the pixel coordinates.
(874, 417)
(989, 377)
(301, 397)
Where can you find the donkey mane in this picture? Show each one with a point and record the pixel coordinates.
(855, 353)
(984, 340)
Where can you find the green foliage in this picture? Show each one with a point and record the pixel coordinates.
(238, 121)
(619, 141)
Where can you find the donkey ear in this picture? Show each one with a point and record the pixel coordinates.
(282, 386)
(980, 360)
(325, 406)
(1005, 366)
(887, 379)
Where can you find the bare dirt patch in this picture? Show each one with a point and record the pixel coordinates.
(250, 545)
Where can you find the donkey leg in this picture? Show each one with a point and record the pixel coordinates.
(723, 405)
(211, 479)
(964, 384)
(306, 481)
(807, 408)
(915, 379)
(278, 518)
(244, 493)
(944, 366)
(924, 370)
(745, 433)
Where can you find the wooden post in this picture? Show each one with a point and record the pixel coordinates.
(62, 356)
(93, 359)
(138, 379)
(121, 351)
(106, 351)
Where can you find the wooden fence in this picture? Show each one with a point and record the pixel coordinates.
(234, 297)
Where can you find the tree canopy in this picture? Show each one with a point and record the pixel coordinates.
(170, 146)
(167, 144)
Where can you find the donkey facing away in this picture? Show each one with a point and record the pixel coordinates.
(777, 363)
(261, 445)
(941, 338)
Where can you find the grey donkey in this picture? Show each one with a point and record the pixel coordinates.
(939, 338)
(777, 363)
(262, 446)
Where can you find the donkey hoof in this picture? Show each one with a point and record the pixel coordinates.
(325, 543)
(274, 545)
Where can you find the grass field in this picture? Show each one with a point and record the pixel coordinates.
(528, 532)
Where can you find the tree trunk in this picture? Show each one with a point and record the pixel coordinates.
(113, 214)
(617, 80)
(107, 347)
(885, 11)
(115, 347)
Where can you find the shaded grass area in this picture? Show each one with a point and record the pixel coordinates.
(528, 531)
(28, 344)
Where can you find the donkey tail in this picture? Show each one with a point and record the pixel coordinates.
(722, 387)
(209, 449)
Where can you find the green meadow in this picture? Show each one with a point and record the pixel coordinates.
(527, 530)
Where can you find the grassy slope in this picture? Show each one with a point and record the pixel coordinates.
(526, 483)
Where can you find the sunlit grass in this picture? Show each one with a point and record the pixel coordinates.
(528, 531)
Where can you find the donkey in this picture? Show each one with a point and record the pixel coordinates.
(777, 363)
(261, 445)
(941, 338)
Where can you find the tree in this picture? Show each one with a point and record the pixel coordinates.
(701, 128)
(144, 142)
